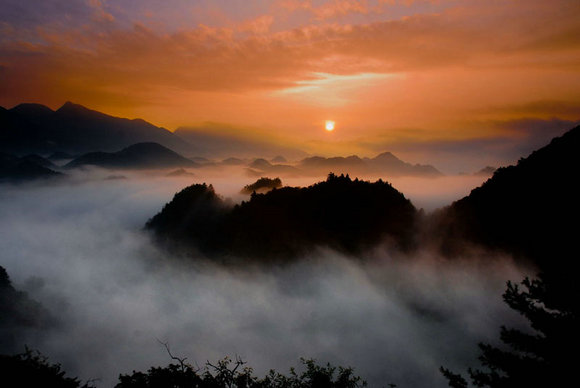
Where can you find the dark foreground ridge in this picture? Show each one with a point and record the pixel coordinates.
(529, 210)
(343, 214)
(32, 369)
(19, 315)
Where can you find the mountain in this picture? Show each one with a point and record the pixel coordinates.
(30, 167)
(529, 210)
(349, 165)
(340, 213)
(389, 164)
(384, 164)
(486, 171)
(261, 167)
(222, 141)
(136, 156)
(74, 129)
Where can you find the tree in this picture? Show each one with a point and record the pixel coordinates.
(544, 355)
(32, 369)
(228, 373)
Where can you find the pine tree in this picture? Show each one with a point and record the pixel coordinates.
(543, 356)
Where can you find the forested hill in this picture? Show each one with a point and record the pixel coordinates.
(340, 213)
(530, 209)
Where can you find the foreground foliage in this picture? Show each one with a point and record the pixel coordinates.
(545, 355)
(262, 184)
(229, 374)
(32, 369)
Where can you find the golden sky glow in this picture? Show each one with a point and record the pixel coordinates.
(396, 75)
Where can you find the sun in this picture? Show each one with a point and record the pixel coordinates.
(329, 125)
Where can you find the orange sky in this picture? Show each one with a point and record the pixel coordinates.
(398, 75)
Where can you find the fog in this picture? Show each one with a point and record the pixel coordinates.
(78, 249)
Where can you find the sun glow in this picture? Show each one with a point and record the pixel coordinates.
(329, 125)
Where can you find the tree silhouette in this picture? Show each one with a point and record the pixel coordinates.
(32, 369)
(525, 209)
(262, 184)
(18, 314)
(345, 215)
(228, 373)
(544, 355)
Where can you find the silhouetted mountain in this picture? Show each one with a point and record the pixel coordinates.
(26, 168)
(59, 155)
(262, 185)
(351, 164)
(486, 171)
(385, 164)
(194, 215)
(223, 140)
(233, 162)
(260, 164)
(529, 209)
(389, 164)
(34, 128)
(261, 167)
(137, 156)
(179, 173)
(339, 213)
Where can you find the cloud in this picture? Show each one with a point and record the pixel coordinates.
(260, 25)
(78, 250)
(540, 108)
(213, 57)
(440, 67)
(100, 13)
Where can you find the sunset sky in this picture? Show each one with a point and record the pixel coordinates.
(458, 84)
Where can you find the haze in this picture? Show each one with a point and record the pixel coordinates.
(78, 249)
(460, 85)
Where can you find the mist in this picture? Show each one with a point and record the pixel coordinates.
(79, 249)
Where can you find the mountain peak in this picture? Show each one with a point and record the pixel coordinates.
(71, 107)
(386, 156)
(32, 109)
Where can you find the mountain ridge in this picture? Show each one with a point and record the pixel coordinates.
(75, 129)
(525, 209)
(147, 155)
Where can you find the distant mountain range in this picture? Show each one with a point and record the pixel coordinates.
(74, 129)
(220, 139)
(385, 163)
(30, 167)
(137, 156)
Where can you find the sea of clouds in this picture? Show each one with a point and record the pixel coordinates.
(79, 249)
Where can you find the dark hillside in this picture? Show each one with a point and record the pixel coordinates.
(344, 214)
(530, 209)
